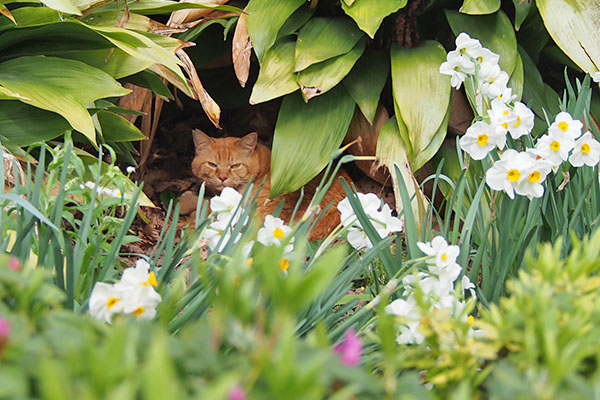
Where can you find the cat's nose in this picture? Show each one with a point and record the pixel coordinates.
(222, 176)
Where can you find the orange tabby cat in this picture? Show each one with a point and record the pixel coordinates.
(233, 161)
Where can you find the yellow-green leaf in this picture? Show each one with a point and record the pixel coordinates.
(480, 7)
(276, 76)
(320, 78)
(421, 95)
(306, 134)
(516, 79)
(65, 6)
(369, 14)
(366, 81)
(324, 38)
(264, 19)
(574, 27)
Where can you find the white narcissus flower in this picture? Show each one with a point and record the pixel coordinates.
(409, 330)
(369, 202)
(492, 80)
(221, 227)
(480, 139)
(508, 171)
(501, 116)
(596, 77)
(507, 95)
(565, 125)
(443, 253)
(273, 232)
(554, 147)
(485, 56)
(467, 45)
(458, 66)
(130, 169)
(524, 121)
(586, 151)
(106, 301)
(531, 186)
(227, 201)
(466, 284)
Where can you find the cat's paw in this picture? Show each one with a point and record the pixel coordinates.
(187, 202)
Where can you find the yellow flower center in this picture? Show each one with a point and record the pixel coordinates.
(444, 256)
(518, 122)
(554, 146)
(249, 262)
(152, 279)
(563, 126)
(482, 139)
(506, 112)
(534, 176)
(284, 264)
(470, 319)
(138, 311)
(585, 149)
(111, 302)
(505, 125)
(513, 175)
(278, 233)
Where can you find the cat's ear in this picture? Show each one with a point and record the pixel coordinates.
(201, 140)
(248, 142)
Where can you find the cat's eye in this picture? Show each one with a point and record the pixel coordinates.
(212, 164)
(234, 166)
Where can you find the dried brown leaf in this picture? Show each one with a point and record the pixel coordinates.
(241, 51)
(182, 16)
(6, 12)
(211, 108)
(134, 100)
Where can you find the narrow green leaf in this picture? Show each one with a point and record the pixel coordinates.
(480, 7)
(366, 81)
(117, 129)
(264, 19)
(369, 14)
(320, 78)
(324, 38)
(296, 21)
(306, 136)
(24, 125)
(276, 76)
(152, 81)
(421, 94)
(493, 31)
(149, 7)
(572, 25)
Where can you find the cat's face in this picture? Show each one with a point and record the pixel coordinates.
(225, 162)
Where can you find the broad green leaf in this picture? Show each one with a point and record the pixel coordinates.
(276, 76)
(324, 38)
(6, 12)
(480, 7)
(421, 94)
(24, 125)
(392, 151)
(434, 145)
(152, 81)
(493, 31)
(59, 85)
(108, 18)
(366, 81)
(114, 62)
(535, 92)
(78, 79)
(369, 14)
(516, 79)
(117, 129)
(296, 21)
(320, 78)
(264, 19)
(522, 8)
(574, 26)
(64, 6)
(306, 134)
(26, 16)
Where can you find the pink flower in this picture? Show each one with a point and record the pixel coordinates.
(349, 349)
(14, 264)
(237, 393)
(4, 333)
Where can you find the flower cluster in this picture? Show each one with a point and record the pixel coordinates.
(102, 191)
(133, 294)
(522, 173)
(229, 214)
(436, 284)
(380, 216)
